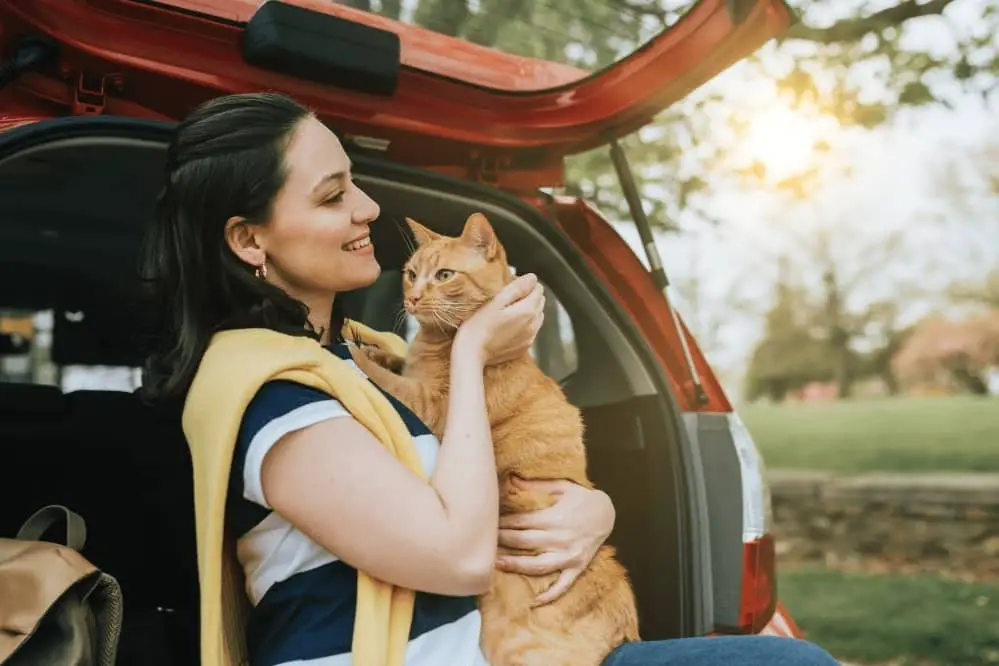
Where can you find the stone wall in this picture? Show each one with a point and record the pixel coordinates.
(933, 522)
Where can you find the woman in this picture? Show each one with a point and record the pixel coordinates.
(260, 224)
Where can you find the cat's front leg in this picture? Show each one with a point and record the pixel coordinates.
(387, 360)
(406, 390)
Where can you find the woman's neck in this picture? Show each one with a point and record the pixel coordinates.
(320, 313)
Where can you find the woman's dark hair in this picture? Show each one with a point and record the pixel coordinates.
(226, 159)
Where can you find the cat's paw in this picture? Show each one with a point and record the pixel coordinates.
(383, 359)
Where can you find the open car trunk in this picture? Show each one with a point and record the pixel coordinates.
(74, 197)
(425, 95)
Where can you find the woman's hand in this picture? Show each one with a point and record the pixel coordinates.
(505, 327)
(565, 536)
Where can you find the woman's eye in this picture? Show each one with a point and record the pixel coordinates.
(444, 274)
(335, 199)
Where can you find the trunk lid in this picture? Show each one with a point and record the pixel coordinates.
(494, 115)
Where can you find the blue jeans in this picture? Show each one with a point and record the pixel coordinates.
(721, 651)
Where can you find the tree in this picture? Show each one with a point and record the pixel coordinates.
(959, 351)
(838, 318)
(789, 355)
(850, 285)
(878, 361)
(844, 37)
(815, 334)
(984, 293)
(967, 182)
(676, 159)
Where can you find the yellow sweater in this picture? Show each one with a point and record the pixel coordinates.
(236, 364)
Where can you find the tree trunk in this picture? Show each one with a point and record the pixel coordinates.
(842, 368)
(777, 391)
(890, 381)
(969, 380)
(392, 8)
(358, 4)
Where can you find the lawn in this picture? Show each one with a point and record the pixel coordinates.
(959, 433)
(897, 619)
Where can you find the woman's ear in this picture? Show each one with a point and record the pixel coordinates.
(243, 239)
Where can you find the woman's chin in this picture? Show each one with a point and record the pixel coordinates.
(364, 272)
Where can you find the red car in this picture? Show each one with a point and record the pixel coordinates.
(438, 127)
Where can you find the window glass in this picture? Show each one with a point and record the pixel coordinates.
(25, 357)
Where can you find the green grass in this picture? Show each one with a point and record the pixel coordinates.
(898, 619)
(959, 433)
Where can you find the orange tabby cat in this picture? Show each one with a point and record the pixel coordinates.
(537, 434)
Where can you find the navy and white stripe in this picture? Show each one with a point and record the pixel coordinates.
(303, 596)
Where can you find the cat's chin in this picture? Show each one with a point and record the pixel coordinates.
(444, 325)
(429, 323)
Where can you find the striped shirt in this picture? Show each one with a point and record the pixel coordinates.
(303, 596)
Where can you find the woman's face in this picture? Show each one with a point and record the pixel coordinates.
(316, 243)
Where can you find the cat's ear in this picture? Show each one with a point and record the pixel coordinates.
(479, 234)
(421, 233)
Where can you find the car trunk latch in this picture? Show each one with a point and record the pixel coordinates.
(90, 95)
(486, 169)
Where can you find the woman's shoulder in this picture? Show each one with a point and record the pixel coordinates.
(286, 395)
(280, 401)
(237, 357)
(279, 397)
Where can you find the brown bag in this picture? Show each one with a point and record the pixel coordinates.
(56, 608)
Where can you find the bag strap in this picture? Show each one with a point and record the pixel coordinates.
(39, 523)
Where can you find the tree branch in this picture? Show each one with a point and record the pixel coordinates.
(852, 30)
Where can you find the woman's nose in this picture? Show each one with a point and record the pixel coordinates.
(366, 210)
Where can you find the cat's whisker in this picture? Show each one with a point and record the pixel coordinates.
(410, 243)
(452, 313)
(400, 319)
(457, 308)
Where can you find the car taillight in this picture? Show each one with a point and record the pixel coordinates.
(743, 580)
(758, 598)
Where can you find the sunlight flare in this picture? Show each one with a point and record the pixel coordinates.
(784, 142)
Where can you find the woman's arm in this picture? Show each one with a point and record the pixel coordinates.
(342, 487)
(336, 483)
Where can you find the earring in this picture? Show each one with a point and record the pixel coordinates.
(261, 272)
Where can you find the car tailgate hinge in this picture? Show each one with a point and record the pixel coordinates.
(90, 92)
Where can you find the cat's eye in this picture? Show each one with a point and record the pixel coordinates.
(411, 275)
(444, 274)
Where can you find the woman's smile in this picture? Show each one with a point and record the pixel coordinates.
(362, 245)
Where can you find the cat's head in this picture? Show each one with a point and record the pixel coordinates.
(447, 279)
